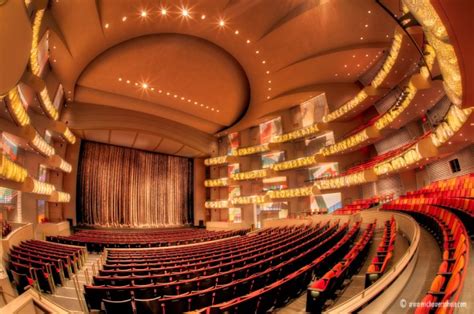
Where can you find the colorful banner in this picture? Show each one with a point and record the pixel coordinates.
(235, 215)
(42, 173)
(234, 142)
(58, 98)
(7, 195)
(234, 191)
(9, 148)
(272, 158)
(232, 169)
(43, 51)
(325, 202)
(275, 183)
(313, 110)
(323, 170)
(269, 129)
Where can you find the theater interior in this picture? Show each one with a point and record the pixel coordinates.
(236, 156)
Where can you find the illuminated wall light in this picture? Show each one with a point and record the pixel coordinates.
(216, 182)
(306, 131)
(12, 171)
(69, 136)
(219, 160)
(37, 142)
(217, 204)
(57, 162)
(37, 187)
(290, 193)
(251, 150)
(47, 105)
(250, 175)
(295, 163)
(452, 122)
(252, 199)
(35, 66)
(59, 197)
(16, 108)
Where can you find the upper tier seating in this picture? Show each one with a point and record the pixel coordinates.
(383, 254)
(325, 287)
(6, 228)
(205, 274)
(448, 230)
(43, 263)
(362, 204)
(96, 240)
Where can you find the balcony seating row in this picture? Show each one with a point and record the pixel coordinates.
(176, 297)
(6, 228)
(450, 234)
(362, 204)
(383, 254)
(43, 263)
(96, 241)
(325, 287)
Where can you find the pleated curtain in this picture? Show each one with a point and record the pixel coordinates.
(123, 187)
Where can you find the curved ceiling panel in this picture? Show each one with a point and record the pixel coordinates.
(179, 72)
(17, 36)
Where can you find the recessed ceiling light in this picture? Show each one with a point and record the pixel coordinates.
(264, 61)
(353, 56)
(143, 13)
(366, 55)
(54, 47)
(268, 97)
(184, 12)
(167, 93)
(257, 51)
(160, 91)
(217, 110)
(268, 72)
(164, 11)
(124, 19)
(189, 100)
(202, 105)
(361, 38)
(195, 102)
(120, 79)
(248, 41)
(144, 85)
(106, 25)
(182, 98)
(203, 17)
(221, 23)
(54, 60)
(152, 88)
(269, 82)
(128, 81)
(345, 65)
(366, 25)
(369, 12)
(136, 84)
(175, 96)
(212, 109)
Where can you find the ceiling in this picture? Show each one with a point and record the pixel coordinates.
(198, 68)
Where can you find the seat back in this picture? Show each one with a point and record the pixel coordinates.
(123, 307)
(149, 306)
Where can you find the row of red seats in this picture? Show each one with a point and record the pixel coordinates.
(325, 287)
(461, 186)
(452, 237)
(191, 270)
(205, 291)
(199, 253)
(43, 263)
(361, 204)
(96, 241)
(279, 293)
(383, 254)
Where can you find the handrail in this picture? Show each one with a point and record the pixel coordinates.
(364, 297)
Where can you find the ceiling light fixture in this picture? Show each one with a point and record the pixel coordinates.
(248, 41)
(203, 17)
(144, 85)
(236, 32)
(221, 23)
(164, 11)
(143, 13)
(185, 12)
(107, 25)
(124, 19)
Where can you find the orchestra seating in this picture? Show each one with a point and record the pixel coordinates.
(43, 263)
(448, 230)
(362, 204)
(325, 287)
(383, 254)
(175, 280)
(97, 240)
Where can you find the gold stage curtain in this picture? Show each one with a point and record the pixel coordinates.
(123, 187)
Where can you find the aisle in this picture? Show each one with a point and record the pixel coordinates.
(66, 296)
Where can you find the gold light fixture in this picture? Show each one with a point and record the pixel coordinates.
(250, 175)
(16, 109)
(12, 171)
(59, 197)
(217, 204)
(37, 187)
(57, 162)
(295, 163)
(216, 182)
(37, 142)
(297, 134)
